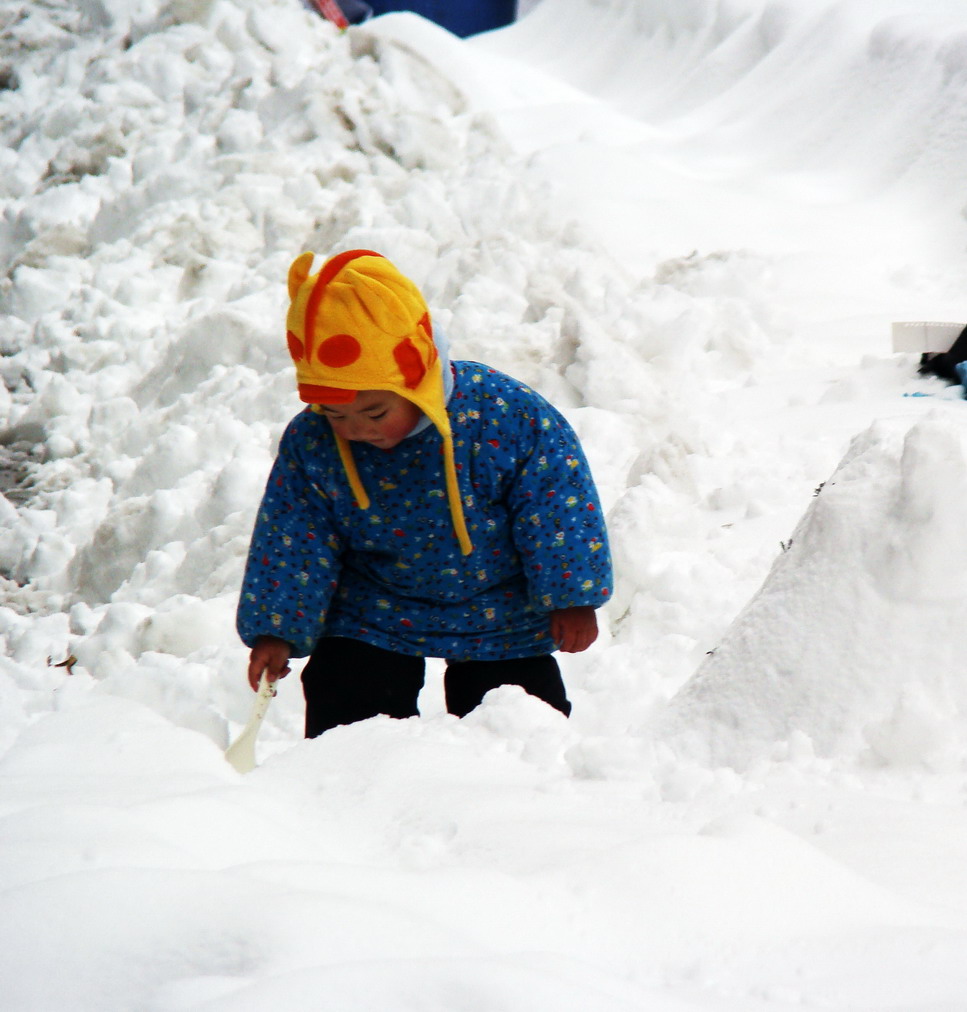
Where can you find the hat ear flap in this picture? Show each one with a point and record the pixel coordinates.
(298, 272)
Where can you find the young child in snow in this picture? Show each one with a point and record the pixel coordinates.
(417, 508)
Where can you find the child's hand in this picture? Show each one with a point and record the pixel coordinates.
(574, 629)
(270, 655)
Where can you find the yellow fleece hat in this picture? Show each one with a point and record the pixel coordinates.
(359, 324)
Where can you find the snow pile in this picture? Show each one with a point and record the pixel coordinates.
(853, 644)
(841, 97)
(423, 865)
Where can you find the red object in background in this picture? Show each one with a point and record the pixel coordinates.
(331, 11)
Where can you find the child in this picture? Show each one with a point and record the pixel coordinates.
(417, 508)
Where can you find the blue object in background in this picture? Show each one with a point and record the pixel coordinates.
(961, 369)
(462, 17)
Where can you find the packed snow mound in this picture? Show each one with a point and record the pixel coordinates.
(860, 94)
(854, 644)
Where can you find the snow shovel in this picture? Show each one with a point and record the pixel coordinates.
(241, 753)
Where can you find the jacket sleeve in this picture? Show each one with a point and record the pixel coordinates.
(558, 524)
(294, 558)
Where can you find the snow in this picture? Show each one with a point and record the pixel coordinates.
(689, 224)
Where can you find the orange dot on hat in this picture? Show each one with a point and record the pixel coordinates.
(296, 349)
(339, 350)
(410, 363)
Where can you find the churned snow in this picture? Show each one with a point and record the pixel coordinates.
(690, 225)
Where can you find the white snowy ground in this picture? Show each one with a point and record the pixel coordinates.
(690, 224)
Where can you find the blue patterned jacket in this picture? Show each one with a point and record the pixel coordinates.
(393, 575)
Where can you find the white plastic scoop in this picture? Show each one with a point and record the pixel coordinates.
(241, 753)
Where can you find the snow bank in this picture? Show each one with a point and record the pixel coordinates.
(415, 865)
(853, 644)
(845, 98)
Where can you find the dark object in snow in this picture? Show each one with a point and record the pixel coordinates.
(342, 13)
(462, 17)
(68, 663)
(944, 364)
(356, 11)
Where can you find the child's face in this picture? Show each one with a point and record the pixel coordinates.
(378, 417)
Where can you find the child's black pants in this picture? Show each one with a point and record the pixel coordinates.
(346, 680)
